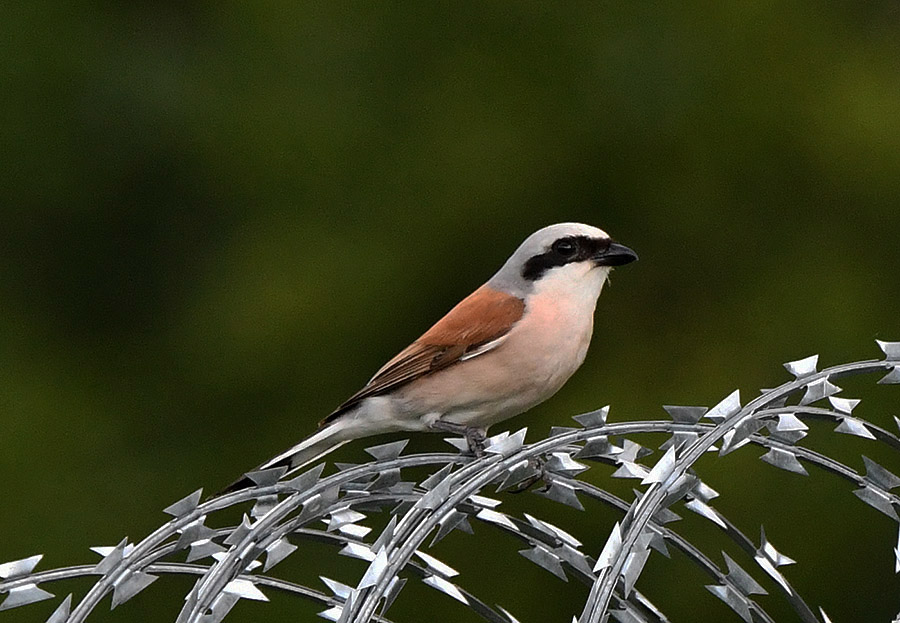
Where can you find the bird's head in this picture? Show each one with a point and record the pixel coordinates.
(566, 256)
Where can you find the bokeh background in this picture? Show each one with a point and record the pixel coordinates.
(218, 219)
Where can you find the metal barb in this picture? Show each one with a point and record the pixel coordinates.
(335, 509)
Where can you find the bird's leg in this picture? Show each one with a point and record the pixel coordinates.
(474, 436)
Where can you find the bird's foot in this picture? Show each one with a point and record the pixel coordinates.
(474, 436)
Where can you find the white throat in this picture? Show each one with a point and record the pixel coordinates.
(575, 286)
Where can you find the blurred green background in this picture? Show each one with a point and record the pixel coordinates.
(218, 219)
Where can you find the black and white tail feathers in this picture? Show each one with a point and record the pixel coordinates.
(328, 438)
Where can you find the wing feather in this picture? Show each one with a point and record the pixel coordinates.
(475, 326)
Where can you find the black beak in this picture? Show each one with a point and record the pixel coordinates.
(615, 255)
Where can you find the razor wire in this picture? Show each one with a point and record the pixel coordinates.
(234, 562)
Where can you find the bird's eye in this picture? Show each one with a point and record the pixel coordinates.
(565, 247)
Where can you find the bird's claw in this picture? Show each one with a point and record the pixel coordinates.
(475, 438)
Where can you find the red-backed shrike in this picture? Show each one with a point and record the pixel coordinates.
(503, 349)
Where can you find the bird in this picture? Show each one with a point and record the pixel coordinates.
(503, 349)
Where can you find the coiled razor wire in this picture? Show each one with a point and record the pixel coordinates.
(233, 563)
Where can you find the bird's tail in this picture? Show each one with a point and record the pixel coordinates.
(326, 439)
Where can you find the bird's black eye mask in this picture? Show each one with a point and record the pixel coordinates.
(564, 251)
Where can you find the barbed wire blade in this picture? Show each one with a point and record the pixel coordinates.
(390, 595)
(278, 551)
(435, 497)
(844, 405)
(266, 477)
(436, 566)
(204, 548)
(854, 426)
(248, 567)
(685, 484)
(61, 614)
(732, 599)
(194, 532)
(387, 478)
(562, 463)
(705, 510)
(554, 532)
(307, 479)
(245, 589)
(387, 451)
(825, 617)
(509, 617)
(740, 435)
(111, 556)
(684, 414)
(354, 531)
(730, 405)
(239, 532)
(785, 460)
(576, 559)
(768, 550)
(897, 555)
(185, 505)
(788, 423)
(24, 595)
(662, 469)
(631, 470)
(623, 615)
(221, 606)
(338, 589)
(497, 518)
(892, 377)
(803, 367)
(740, 578)
(563, 493)
(358, 551)
(434, 479)
(593, 418)
(450, 522)
(768, 558)
(263, 505)
(545, 559)
(16, 568)
(504, 445)
(342, 517)
(703, 491)
(880, 476)
(817, 390)
(632, 451)
(446, 587)
(331, 614)
(610, 549)
(877, 499)
(635, 562)
(787, 437)
(130, 586)
(598, 447)
(374, 571)
(459, 443)
(658, 542)
(679, 439)
(890, 349)
(386, 535)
